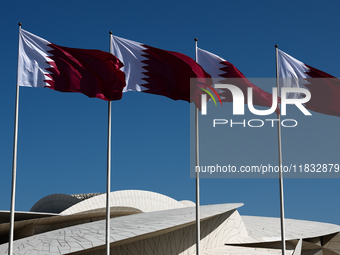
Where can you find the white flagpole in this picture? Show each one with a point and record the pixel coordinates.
(14, 165)
(283, 240)
(108, 178)
(198, 216)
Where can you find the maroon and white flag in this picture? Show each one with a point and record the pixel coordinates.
(218, 67)
(324, 88)
(91, 72)
(152, 70)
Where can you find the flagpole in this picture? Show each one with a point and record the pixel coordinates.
(283, 240)
(108, 177)
(198, 227)
(14, 165)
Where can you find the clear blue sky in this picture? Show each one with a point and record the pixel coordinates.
(62, 136)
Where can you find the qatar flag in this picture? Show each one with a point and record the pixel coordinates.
(91, 72)
(161, 72)
(220, 68)
(324, 88)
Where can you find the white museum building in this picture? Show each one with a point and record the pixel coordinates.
(149, 223)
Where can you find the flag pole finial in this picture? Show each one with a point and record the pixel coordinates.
(196, 39)
(110, 32)
(20, 24)
(276, 46)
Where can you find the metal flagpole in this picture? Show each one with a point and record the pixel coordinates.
(108, 178)
(198, 227)
(14, 165)
(283, 240)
